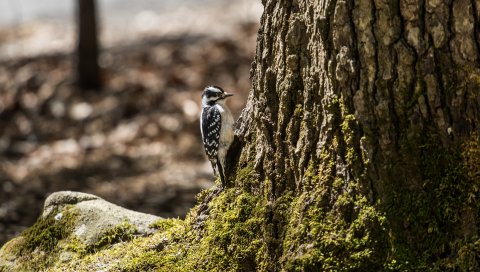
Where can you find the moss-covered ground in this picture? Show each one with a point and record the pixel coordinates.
(326, 226)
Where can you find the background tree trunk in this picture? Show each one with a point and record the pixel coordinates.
(360, 135)
(88, 71)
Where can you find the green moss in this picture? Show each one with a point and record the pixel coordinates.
(122, 232)
(296, 125)
(320, 239)
(165, 224)
(227, 240)
(347, 126)
(325, 226)
(246, 177)
(230, 237)
(319, 171)
(471, 159)
(76, 246)
(148, 261)
(311, 171)
(164, 251)
(47, 231)
(202, 196)
(38, 247)
(435, 223)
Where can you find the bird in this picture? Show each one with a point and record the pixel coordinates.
(216, 126)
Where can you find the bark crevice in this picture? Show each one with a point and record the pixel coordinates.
(356, 99)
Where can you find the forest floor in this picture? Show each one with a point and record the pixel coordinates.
(135, 143)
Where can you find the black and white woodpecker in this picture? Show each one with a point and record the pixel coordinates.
(216, 125)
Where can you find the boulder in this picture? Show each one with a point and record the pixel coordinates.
(95, 216)
(73, 224)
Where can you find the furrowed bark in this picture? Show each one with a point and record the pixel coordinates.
(365, 106)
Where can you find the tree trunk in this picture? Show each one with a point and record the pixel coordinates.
(359, 151)
(88, 71)
(359, 135)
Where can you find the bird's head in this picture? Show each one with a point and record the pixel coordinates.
(214, 94)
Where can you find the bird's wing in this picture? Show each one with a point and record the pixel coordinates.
(211, 125)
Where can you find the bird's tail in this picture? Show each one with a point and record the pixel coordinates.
(221, 173)
(214, 166)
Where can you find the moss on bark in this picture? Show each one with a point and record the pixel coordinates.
(327, 227)
(360, 150)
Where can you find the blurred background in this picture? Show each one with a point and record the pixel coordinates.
(103, 97)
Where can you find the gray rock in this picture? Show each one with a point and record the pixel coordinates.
(95, 216)
(90, 218)
(62, 198)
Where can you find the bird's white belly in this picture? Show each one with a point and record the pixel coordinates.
(227, 130)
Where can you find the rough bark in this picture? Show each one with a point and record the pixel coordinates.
(88, 70)
(360, 114)
(359, 151)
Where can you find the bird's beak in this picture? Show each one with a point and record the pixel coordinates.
(225, 95)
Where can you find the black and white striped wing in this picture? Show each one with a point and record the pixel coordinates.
(211, 125)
